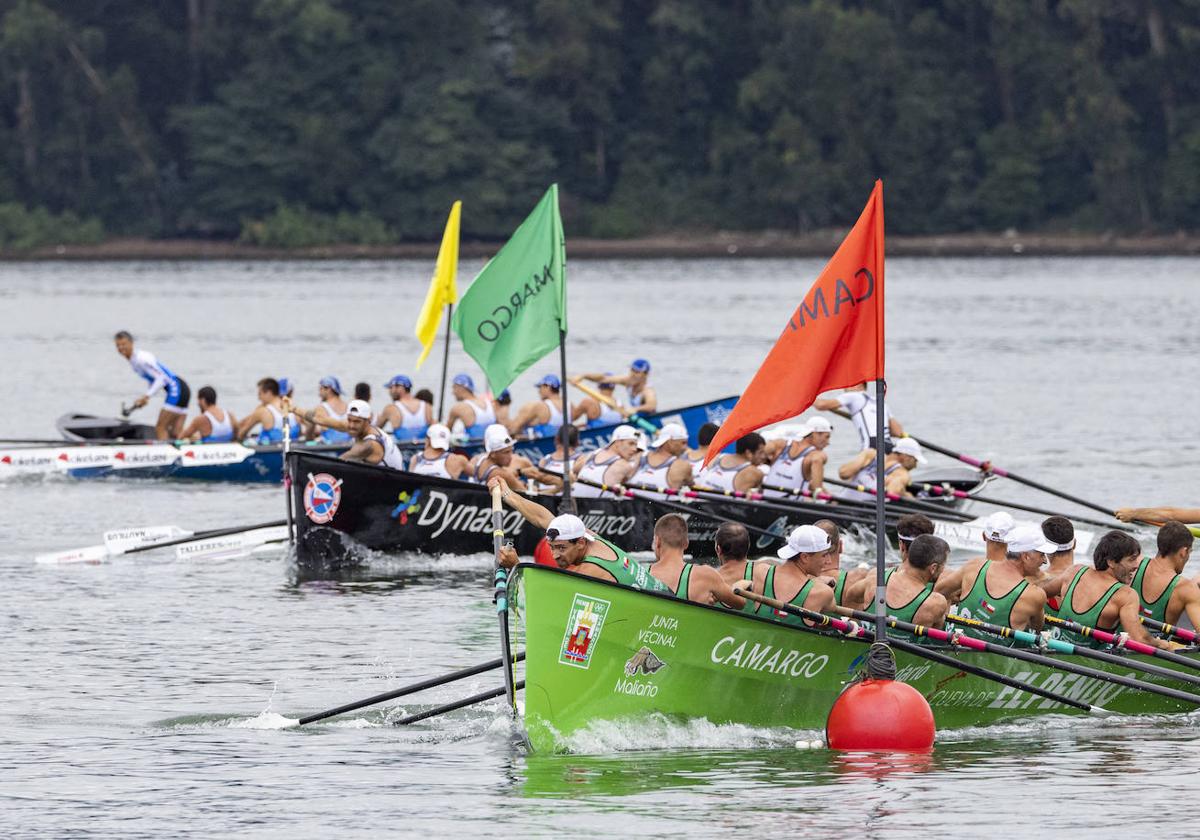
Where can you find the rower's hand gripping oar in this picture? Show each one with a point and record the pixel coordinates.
(645, 425)
(1189, 636)
(500, 597)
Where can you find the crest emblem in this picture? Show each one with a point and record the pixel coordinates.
(584, 623)
(322, 496)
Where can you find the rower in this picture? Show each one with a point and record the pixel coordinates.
(331, 413)
(544, 416)
(1159, 514)
(737, 472)
(554, 464)
(1162, 577)
(173, 413)
(498, 458)
(1060, 531)
(214, 424)
(574, 547)
(436, 459)
(732, 544)
(595, 413)
(268, 416)
(662, 467)
(897, 468)
(1021, 606)
(502, 405)
(286, 389)
(696, 456)
(860, 592)
(797, 580)
(408, 416)
(910, 594)
(995, 547)
(362, 391)
(640, 397)
(839, 579)
(611, 465)
(689, 581)
(370, 445)
(1101, 597)
(859, 402)
(474, 413)
(800, 466)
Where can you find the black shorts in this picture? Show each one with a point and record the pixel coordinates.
(178, 396)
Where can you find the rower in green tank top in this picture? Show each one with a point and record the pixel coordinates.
(998, 591)
(1166, 595)
(794, 581)
(1060, 531)
(732, 544)
(840, 579)
(1101, 597)
(910, 587)
(689, 581)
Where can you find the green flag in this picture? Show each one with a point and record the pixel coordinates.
(512, 314)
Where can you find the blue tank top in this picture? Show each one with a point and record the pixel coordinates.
(275, 434)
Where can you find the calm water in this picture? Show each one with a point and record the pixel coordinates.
(132, 693)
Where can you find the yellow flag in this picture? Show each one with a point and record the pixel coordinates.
(443, 290)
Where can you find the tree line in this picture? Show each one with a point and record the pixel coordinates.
(298, 122)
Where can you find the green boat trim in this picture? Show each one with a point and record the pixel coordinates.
(597, 651)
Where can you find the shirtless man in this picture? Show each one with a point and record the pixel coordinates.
(408, 416)
(739, 471)
(999, 592)
(663, 467)
(640, 397)
(593, 413)
(370, 445)
(498, 458)
(474, 413)
(800, 465)
(1164, 592)
(859, 402)
(436, 459)
(544, 416)
(173, 413)
(1101, 597)
(611, 465)
(690, 581)
(268, 416)
(214, 424)
(797, 580)
(897, 469)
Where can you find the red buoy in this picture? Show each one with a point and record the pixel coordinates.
(880, 715)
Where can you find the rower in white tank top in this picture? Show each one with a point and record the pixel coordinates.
(426, 466)
(652, 476)
(412, 423)
(553, 464)
(720, 477)
(392, 456)
(595, 470)
(787, 472)
(222, 430)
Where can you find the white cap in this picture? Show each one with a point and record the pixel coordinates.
(669, 432)
(908, 446)
(643, 442)
(817, 424)
(567, 526)
(624, 432)
(496, 438)
(807, 539)
(997, 526)
(359, 408)
(439, 436)
(1029, 538)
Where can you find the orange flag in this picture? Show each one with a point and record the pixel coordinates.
(834, 339)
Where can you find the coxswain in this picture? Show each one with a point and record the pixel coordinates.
(611, 465)
(800, 465)
(574, 547)
(474, 413)
(704, 437)
(796, 581)
(897, 468)
(213, 424)
(408, 416)
(498, 458)
(1159, 582)
(1102, 597)
(689, 581)
(859, 402)
(663, 466)
(738, 471)
(594, 413)
(841, 580)
(268, 416)
(370, 445)
(640, 397)
(544, 416)
(554, 464)
(173, 413)
(999, 592)
(994, 534)
(436, 459)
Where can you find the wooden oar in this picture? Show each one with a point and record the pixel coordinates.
(1034, 639)
(500, 597)
(413, 688)
(899, 502)
(938, 490)
(645, 425)
(1025, 656)
(855, 631)
(1122, 641)
(1170, 629)
(458, 704)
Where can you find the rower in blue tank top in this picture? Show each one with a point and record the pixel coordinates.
(474, 413)
(409, 417)
(544, 416)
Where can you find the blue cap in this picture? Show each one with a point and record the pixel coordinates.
(331, 382)
(608, 386)
(285, 386)
(503, 396)
(465, 381)
(551, 380)
(639, 366)
(399, 379)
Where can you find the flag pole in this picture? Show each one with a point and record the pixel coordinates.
(568, 504)
(445, 363)
(880, 536)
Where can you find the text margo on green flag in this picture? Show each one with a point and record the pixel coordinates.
(516, 306)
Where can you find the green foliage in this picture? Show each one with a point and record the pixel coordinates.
(22, 229)
(299, 227)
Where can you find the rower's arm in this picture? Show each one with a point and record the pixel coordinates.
(719, 589)
(747, 480)
(193, 428)
(1189, 592)
(827, 404)
(897, 483)
(390, 416)
(649, 403)
(318, 417)
(533, 513)
(895, 428)
(362, 451)
(1130, 606)
(933, 612)
(679, 474)
(1033, 601)
(622, 379)
(456, 465)
(949, 585)
(1158, 514)
(852, 467)
(524, 418)
(248, 423)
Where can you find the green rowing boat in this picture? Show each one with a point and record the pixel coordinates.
(596, 651)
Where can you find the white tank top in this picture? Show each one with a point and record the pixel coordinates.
(593, 470)
(277, 416)
(411, 419)
(556, 415)
(652, 476)
(608, 416)
(787, 472)
(392, 456)
(555, 465)
(635, 400)
(220, 428)
(435, 467)
(485, 414)
(720, 477)
(333, 415)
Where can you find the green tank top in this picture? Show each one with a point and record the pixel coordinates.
(769, 590)
(1088, 618)
(685, 578)
(839, 587)
(906, 612)
(982, 605)
(1156, 610)
(626, 571)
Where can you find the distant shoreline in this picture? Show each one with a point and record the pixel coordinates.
(671, 246)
